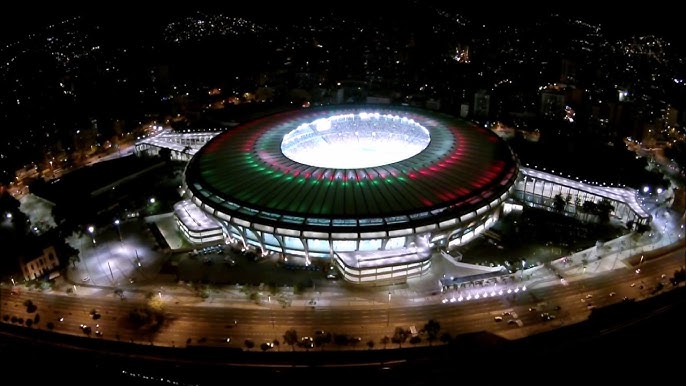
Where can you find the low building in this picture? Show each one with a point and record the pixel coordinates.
(45, 264)
(195, 225)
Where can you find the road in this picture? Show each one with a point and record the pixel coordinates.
(212, 323)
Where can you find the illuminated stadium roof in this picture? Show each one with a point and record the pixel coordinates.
(441, 166)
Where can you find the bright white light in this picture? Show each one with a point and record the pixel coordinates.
(354, 141)
(516, 290)
(322, 124)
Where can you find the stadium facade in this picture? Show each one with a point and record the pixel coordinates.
(374, 189)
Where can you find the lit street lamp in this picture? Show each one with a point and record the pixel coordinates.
(91, 230)
(523, 268)
(388, 310)
(116, 222)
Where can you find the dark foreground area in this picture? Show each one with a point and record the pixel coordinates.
(630, 340)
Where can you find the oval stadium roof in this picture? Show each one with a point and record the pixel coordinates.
(243, 172)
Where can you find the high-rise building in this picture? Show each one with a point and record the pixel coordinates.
(552, 104)
(482, 104)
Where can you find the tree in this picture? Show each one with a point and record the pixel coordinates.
(370, 344)
(385, 341)
(8, 203)
(446, 337)
(340, 339)
(589, 207)
(9, 209)
(320, 340)
(249, 344)
(641, 228)
(264, 94)
(603, 210)
(73, 259)
(432, 328)
(559, 203)
(299, 96)
(165, 154)
(399, 336)
(290, 337)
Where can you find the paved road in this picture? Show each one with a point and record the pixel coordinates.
(365, 314)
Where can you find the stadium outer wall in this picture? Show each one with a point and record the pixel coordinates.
(389, 251)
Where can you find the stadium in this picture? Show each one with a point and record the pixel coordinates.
(372, 189)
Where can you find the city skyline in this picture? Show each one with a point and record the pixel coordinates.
(49, 97)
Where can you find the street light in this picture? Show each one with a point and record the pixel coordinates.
(91, 230)
(110, 267)
(523, 268)
(116, 222)
(388, 310)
